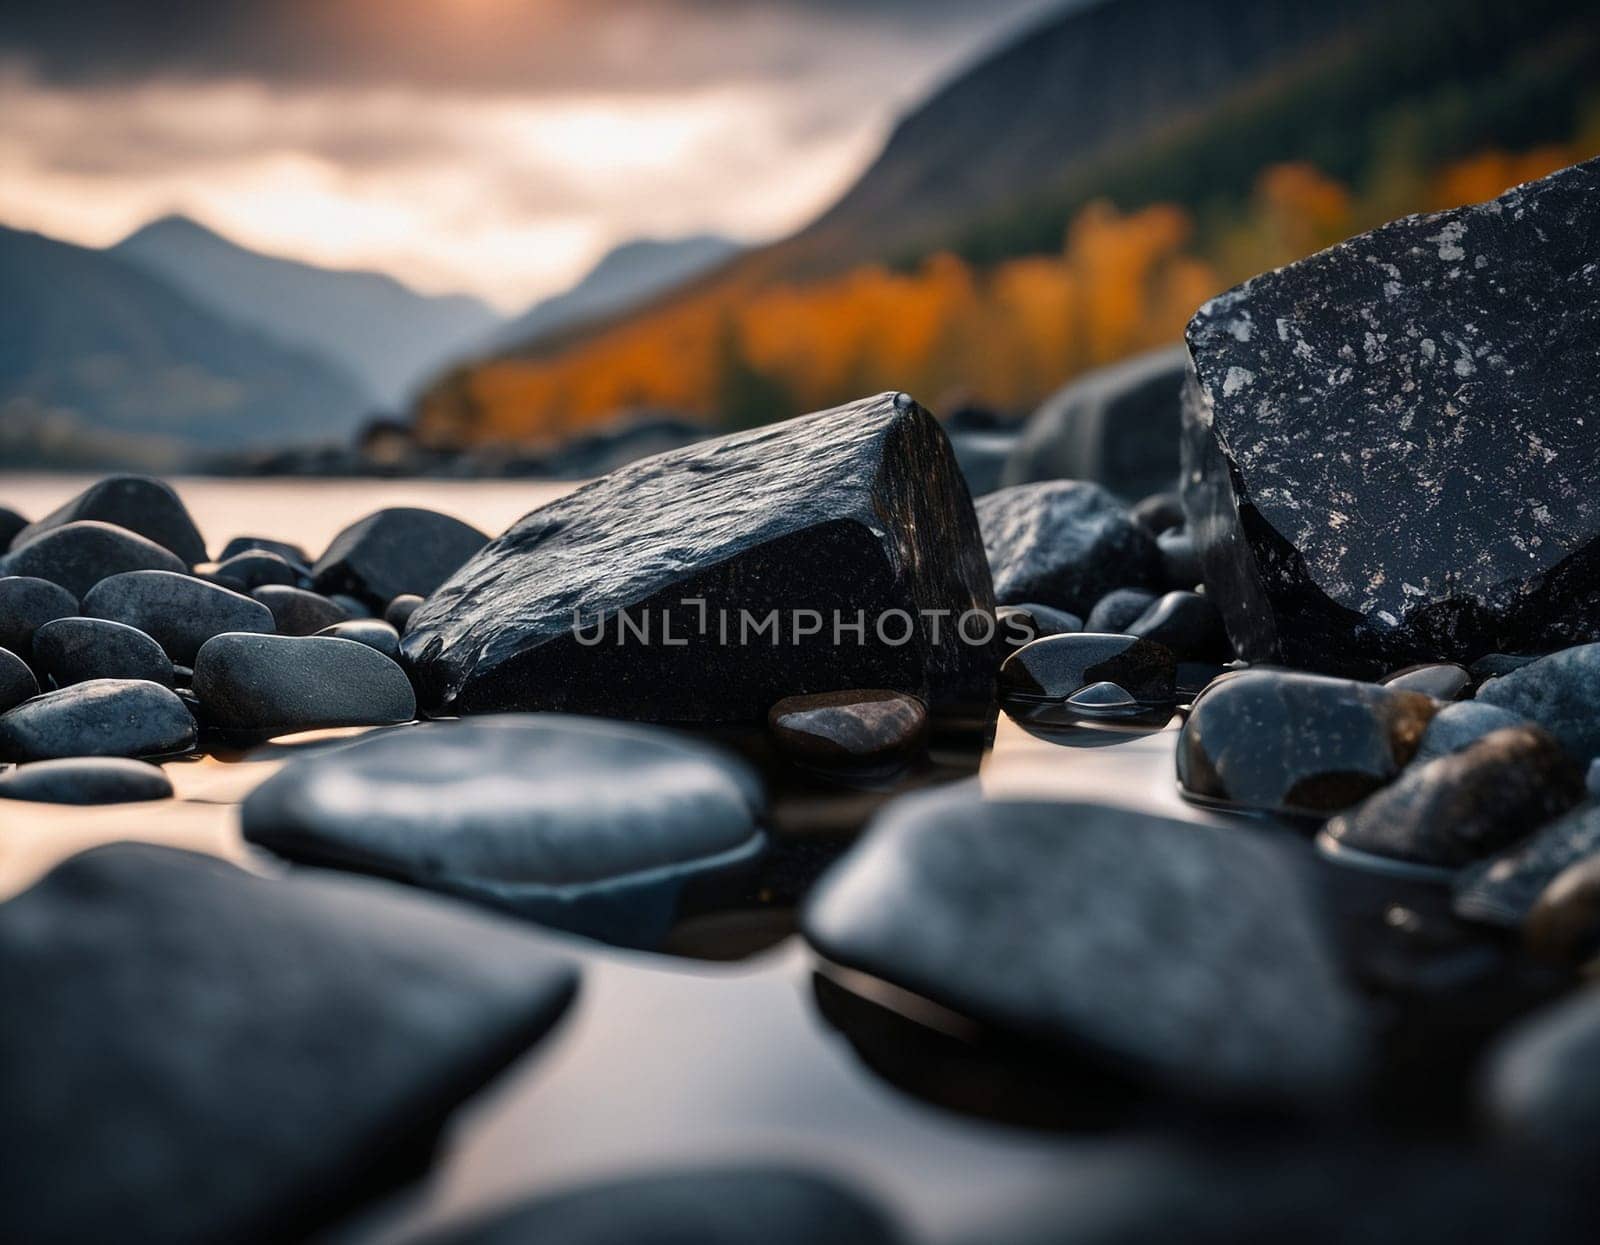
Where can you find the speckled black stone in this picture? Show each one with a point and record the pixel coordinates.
(1389, 450)
(139, 504)
(1184, 955)
(1560, 692)
(393, 551)
(103, 717)
(79, 555)
(86, 780)
(179, 611)
(71, 650)
(1186, 623)
(26, 603)
(295, 611)
(1284, 742)
(1037, 680)
(856, 509)
(1114, 612)
(1064, 543)
(239, 1058)
(16, 680)
(274, 684)
(1503, 890)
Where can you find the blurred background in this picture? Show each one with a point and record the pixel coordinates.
(486, 237)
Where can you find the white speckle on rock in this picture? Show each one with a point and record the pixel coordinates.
(1237, 378)
(1449, 240)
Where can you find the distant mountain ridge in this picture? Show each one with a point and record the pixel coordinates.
(385, 335)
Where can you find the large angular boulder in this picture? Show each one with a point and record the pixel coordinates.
(395, 551)
(704, 584)
(1389, 447)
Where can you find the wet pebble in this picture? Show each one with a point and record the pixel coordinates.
(276, 684)
(296, 611)
(138, 504)
(372, 632)
(1041, 682)
(103, 717)
(1560, 692)
(26, 603)
(394, 551)
(79, 555)
(1187, 623)
(1441, 680)
(864, 727)
(73, 650)
(398, 612)
(179, 611)
(1503, 890)
(86, 780)
(1017, 625)
(17, 683)
(1118, 609)
(255, 568)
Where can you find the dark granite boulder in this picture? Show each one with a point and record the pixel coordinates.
(136, 503)
(85, 780)
(103, 717)
(276, 684)
(179, 611)
(72, 650)
(1064, 543)
(605, 828)
(395, 551)
(705, 584)
(26, 603)
(1118, 426)
(240, 1059)
(1283, 742)
(1389, 450)
(1560, 692)
(1184, 955)
(17, 683)
(1502, 891)
(79, 555)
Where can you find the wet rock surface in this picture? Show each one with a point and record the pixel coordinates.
(395, 551)
(178, 611)
(1283, 742)
(273, 684)
(102, 717)
(362, 1015)
(1462, 807)
(1502, 891)
(858, 727)
(85, 780)
(16, 680)
(1384, 456)
(73, 650)
(79, 555)
(504, 810)
(856, 514)
(1063, 680)
(1064, 543)
(26, 603)
(1112, 919)
(1560, 692)
(139, 504)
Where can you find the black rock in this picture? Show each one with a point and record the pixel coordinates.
(26, 603)
(293, 554)
(1493, 665)
(398, 612)
(1187, 623)
(1502, 891)
(1041, 681)
(1284, 742)
(178, 610)
(504, 810)
(103, 717)
(1183, 955)
(1017, 625)
(296, 611)
(136, 503)
(982, 457)
(85, 780)
(857, 727)
(276, 684)
(79, 555)
(1161, 512)
(394, 551)
(10, 524)
(1180, 563)
(1118, 426)
(1560, 692)
(1563, 925)
(353, 607)
(1462, 807)
(17, 683)
(1539, 1087)
(855, 515)
(240, 1059)
(1115, 612)
(255, 568)
(1441, 680)
(711, 1206)
(73, 650)
(1064, 543)
(372, 632)
(1462, 723)
(1386, 455)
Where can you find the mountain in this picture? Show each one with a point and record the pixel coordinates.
(101, 362)
(384, 334)
(625, 276)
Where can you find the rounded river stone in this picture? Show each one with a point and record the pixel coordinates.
(73, 650)
(103, 717)
(79, 555)
(86, 780)
(179, 611)
(26, 604)
(276, 684)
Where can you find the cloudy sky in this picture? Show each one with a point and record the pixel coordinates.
(497, 146)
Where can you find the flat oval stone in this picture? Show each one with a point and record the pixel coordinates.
(398, 612)
(17, 683)
(1461, 724)
(298, 612)
(26, 604)
(1564, 922)
(277, 684)
(103, 717)
(1504, 890)
(179, 611)
(1183, 955)
(604, 828)
(1441, 680)
(1118, 609)
(140, 504)
(79, 555)
(1186, 623)
(1462, 807)
(372, 632)
(394, 551)
(86, 780)
(1303, 744)
(300, 1040)
(1038, 681)
(1539, 1088)
(73, 650)
(1560, 692)
(858, 727)
(255, 568)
